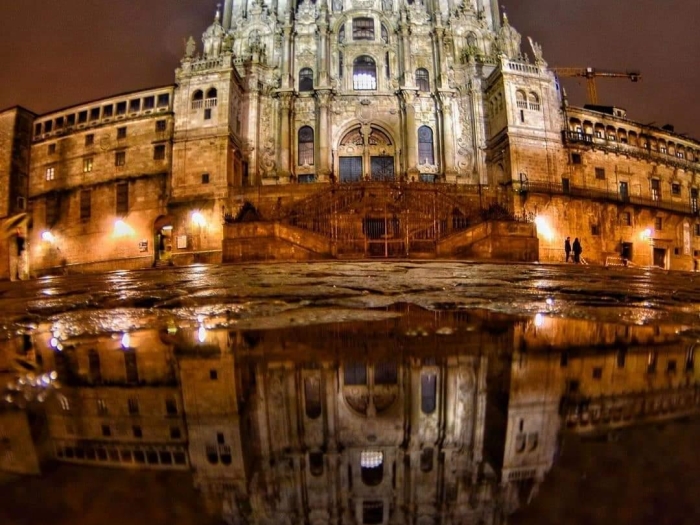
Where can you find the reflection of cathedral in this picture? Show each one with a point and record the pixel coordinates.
(358, 128)
(424, 417)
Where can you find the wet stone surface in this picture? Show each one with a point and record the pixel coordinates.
(351, 392)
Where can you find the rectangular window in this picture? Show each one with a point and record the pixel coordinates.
(363, 29)
(70, 120)
(135, 105)
(122, 198)
(52, 148)
(107, 111)
(671, 366)
(94, 114)
(207, 114)
(175, 433)
(675, 188)
(149, 102)
(85, 204)
(600, 173)
(59, 122)
(697, 230)
(120, 158)
(82, 117)
(694, 199)
(171, 407)
(133, 406)
(163, 100)
(159, 152)
(52, 210)
(87, 164)
(621, 358)
(576, 158)
(659, 223)
(121, 108)
(102, 407)
(89, 139)
(655, 189)
(595, 229)
(205, 178)
(106, 431)
(48, 126)
(138, 433)
(597, 373)
(161, 126)
(121, 132)
(626, 218)
(50, 173)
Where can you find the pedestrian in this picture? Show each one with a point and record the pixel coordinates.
(567, 248)
(577, 250)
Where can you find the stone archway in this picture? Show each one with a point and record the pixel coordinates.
(366, 153)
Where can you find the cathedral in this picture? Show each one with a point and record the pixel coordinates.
(345, 128)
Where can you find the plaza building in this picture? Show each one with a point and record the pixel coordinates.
(346, 128)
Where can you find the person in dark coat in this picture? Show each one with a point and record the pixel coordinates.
(567, 248)
(577, 250)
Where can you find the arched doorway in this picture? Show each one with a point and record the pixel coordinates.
(366, 153)
(163, 240)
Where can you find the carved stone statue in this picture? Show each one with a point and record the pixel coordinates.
(190, 48)
(537, 52)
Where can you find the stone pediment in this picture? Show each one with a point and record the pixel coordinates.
(306, 13)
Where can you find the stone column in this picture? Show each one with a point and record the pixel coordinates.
(447, 136)
(286, 55)
(324, 56)
(439, 34)
(408, 96)
(323, 168)
(284, 139)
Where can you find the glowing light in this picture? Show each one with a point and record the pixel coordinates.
(48, 236)
(371, 458)
(198, 219)
(539, 320)
(126, 340)
(543, 228)
(549, 301)
(647, 234)
(122, 229)
(202, 334)
(54, 342)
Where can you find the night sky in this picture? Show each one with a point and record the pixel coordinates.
(59, 53)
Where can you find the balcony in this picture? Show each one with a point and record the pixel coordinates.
(690, 208)
(578, 138)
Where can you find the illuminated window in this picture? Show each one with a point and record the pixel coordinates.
(306, 146)
(425, 146)
(372, 466)
(87, 164)
(50, 173)
(102, 407)
(364, 73)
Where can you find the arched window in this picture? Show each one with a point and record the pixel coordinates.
(423, 80)
(425, 146)
(211, 93)
(341, 34)
(197, 99)
(364, 73)
(341, 64)
(306, 79)
(363, 28)
(94, 366)
(534, 101)
(385, 34)
(520, 99)
(306, 146)
(426, 460)
(355, 374)
(372, 467)
(312, 397)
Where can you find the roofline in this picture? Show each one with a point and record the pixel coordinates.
(125, 93)
(17, 106)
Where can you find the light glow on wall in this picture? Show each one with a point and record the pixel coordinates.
(48, 237)
(198, 219)
(647, 234)
(544, 229)
(122, 229)
(126, 340)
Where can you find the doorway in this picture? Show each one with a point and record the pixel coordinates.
(660, 257)
(163, 240)
(366, 153)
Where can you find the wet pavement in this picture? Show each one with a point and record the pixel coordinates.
(353, 392)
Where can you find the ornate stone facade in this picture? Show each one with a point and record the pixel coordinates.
(283, 99)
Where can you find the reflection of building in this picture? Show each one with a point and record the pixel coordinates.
(418, 417)
(287, 132)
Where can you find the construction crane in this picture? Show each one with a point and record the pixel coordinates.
(590, 74)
